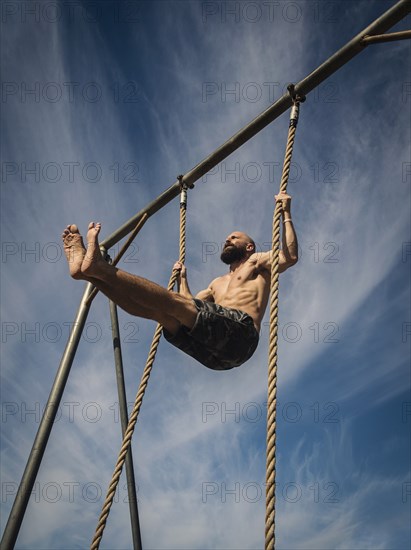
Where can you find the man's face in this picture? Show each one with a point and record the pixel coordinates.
(235, 248)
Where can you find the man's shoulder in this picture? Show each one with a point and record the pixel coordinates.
(218, 280)
(260, 255)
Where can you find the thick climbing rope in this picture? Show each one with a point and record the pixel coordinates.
(143, 385)
(272, 354)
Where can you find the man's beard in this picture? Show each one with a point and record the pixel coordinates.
(232, 254)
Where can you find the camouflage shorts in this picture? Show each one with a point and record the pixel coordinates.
(221, 338)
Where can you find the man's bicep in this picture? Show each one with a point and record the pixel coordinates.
(264, 261)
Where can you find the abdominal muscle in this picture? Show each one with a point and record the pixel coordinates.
(246, 294)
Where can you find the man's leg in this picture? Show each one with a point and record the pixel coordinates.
(133, 308)
(134, 294)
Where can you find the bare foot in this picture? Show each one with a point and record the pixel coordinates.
(92, 261)
(74, 250)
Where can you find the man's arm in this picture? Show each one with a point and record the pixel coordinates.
(288, 255)
(289, 251)
(182, 282)
(205, 295)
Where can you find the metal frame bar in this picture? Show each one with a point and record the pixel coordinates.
(355, 46)
(122, 399)
(387, 20)
(378, 38)
(33, 463)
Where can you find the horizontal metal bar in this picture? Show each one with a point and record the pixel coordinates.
(392, 16)
(153, 207)
(377, 38)
(387, 20)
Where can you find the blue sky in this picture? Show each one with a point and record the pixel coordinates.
(124, 97)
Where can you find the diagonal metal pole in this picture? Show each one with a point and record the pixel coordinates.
(121, 388)
(355, 46)
(33, 463)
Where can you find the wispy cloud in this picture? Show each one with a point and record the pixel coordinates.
(329, 504)
(197, 438)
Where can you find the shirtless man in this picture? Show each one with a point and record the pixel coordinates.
(220, 326)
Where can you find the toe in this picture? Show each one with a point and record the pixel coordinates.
(73, 228)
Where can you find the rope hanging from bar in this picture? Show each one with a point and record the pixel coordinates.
(143, 384)
(272, 355)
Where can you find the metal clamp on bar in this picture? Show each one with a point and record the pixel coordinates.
(183, 194)
(294, 114)
(295, 109)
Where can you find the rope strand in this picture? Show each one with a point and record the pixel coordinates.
(272, 355)
(139, 398)
(272, 365)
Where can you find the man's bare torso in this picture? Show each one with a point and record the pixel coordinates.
(247, 285)
(246, 288)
